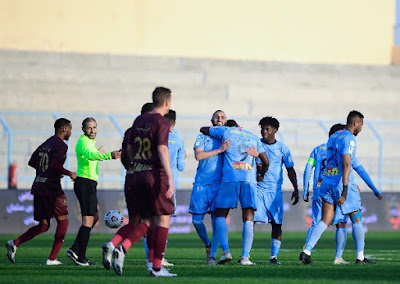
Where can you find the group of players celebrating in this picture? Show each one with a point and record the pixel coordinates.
(234, 165)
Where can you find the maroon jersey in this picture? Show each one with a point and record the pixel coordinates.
(148, 131)
(124, 157)
(48, 160)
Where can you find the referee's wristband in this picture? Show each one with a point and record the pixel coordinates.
(344, 192)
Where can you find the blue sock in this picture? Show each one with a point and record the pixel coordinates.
(340, 238)
(247, 236)
(309, 231)
(358, 236)
(146, 248)
(214, 241)
(197, 220)
(316, 233)
(222, 232)
(275, 246)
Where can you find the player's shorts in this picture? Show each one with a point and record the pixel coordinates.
(47, 207)
(230, 193)
(269, 206)
(339, 217)
(129, 197)
(316, 211)
(86, 192)
(203, 197)
(353, 200)
(149, 194)
(329, 193)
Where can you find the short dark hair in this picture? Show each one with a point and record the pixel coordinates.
(269, 120)
(147, 107)
(336, 127)
(171, 115)
(352, 116)
(231, 123)
(160, 95)
(60, 123)
(86, 120)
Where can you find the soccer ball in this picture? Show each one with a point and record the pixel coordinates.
(113, 219)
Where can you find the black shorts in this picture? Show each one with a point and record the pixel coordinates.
(86, 192)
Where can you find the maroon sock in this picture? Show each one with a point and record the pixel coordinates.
(31, 233)
(59, 236)
(122, 233)
(134, 236)
(151, 239)
(160, 243)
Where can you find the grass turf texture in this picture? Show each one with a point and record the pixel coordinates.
(188, 255)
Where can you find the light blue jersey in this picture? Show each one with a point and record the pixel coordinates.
(318, 160)
(340, 143)
(176, 150)
(209, 171)
(238, 164)
(278, 155)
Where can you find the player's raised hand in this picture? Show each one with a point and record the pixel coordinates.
(380, 197)
(225, 145)
(295, 197)
(341, 200)
(252, 151)
(116, 154)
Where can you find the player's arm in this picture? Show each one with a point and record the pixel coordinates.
(165, 162)
(366, 178)
(200, 154)
(33, 160)
(293, 179)
(306, 177)
(181, 158)
(346, 162)
(57, 163)
(91, 153)
(263, 168)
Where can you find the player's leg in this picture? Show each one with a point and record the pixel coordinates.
(222, 234)
(197, 221)
(275, 213)
(340, 240)
(150, 242)
(214, 240)
(359, 237)
(276, 240)
(247, 197)
(316, 215)
(42, 213)
(61, 214)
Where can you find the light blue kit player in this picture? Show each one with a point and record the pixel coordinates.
(317, 159)
(239, 175)
(269, 198)
(208, 151)
(338, 188)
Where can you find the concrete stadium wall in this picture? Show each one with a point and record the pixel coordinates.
(16, 213)
(306, 31)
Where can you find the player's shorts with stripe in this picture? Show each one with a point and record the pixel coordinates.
(269, 206)
(49, 206)
(230, 193)
(339, 217)
(86, 192)
(329, 193)
(203, 197)
(149, 194)
(353, 200)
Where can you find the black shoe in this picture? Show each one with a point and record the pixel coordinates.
(72, 255)
(85, 262)
(274, 261)
(304, 258)
(365, 261)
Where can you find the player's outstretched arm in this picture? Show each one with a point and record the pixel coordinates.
(367, 179)
(200, 154)
(293, 179)
(306, 179)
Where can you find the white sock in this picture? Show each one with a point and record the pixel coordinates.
(360, 255)
(307, 252)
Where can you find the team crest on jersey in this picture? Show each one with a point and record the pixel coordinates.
(242, 166)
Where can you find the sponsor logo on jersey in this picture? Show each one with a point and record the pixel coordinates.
(242, 166)
(331, 172)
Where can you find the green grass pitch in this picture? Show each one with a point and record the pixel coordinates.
(188, 255)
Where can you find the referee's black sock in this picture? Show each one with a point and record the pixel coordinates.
(83, 242)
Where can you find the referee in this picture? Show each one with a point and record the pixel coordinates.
(85, 187)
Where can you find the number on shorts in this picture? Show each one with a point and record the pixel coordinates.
(144, 150)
